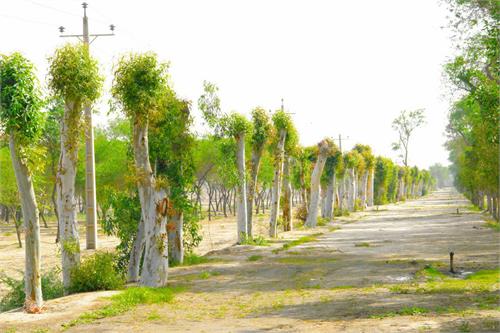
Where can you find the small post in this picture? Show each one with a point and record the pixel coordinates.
(457, 211)
(451, 262)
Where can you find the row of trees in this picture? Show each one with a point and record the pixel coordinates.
(155, 178)
(473, 119)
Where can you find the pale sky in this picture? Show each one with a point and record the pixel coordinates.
(342, 67)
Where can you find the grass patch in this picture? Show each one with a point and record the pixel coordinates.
(126, 301)
(362, 244)
(437, 283)
(332, 229)
(153, 315)
(342, 287)
(406, 311)
(301, 240)
(255, 257)
(191, 259)
(255, 241)
(493, 225)
(208, 274)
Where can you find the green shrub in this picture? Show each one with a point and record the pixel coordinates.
(256, 241)
(97, 272)
(301, 213)
(52, 287)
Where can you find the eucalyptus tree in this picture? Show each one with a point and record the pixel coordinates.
(352, 160)
(139, 86)
(171, 147)
(405, 124)
(291, 149)
(325, 149)
(22, 120)
(236, 126)
(74, 78)
(260, 136)
(331, 168)
(365, 174)
(282, 123)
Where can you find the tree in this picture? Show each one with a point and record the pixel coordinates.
(73, 77)
(441, 174)
(260, 136)
(405, 124)
(20, 115)
(473, 75)
(171, 148)
(331, 166)
(325, 149)
(282, 122)
(235, 126)
(140, 84)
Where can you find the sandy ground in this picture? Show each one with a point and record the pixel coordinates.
(217, 234)
(335, 284)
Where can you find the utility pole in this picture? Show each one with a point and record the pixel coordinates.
(340, 141)
(90, 188)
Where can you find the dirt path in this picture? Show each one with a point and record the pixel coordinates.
(344, 281)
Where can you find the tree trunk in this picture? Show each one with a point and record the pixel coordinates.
(364, 189)
(32, 282)
(18, 231)
(312, 215)
(240, 195)
(370, 188)
(154, 207)
(287, 196)
(66, 203)
(351, 193)
(176, 247)
(134, 263)
(330, 197)
(255, 164)
(275, 198)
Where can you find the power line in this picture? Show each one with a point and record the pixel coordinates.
(26, 20)
(52, 8)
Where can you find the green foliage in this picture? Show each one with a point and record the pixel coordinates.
(261, 127)
(404, 125)
(473, 74)
(255, 257)
(74, 74)
(237, 124)
(123, 223)
(52, 287)
(282, 121)
(255, 241)
(140, 83)
(125, 301)
(209, 104)
(97, 272)
(20, 98)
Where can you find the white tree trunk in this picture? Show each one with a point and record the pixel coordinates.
(370, 188)
(136, 254)
(241, 195)
(275, 196)
(66, 203)
(154, 207)
(330, 197)
(256, 156)
(364, 189)
(312, 215)
(32, 282)
(175, 236)
(287, 196)
(351, 192)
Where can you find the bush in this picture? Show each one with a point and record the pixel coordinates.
(301, 213)
(256, 241)
(52, 287)
(97, 272)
